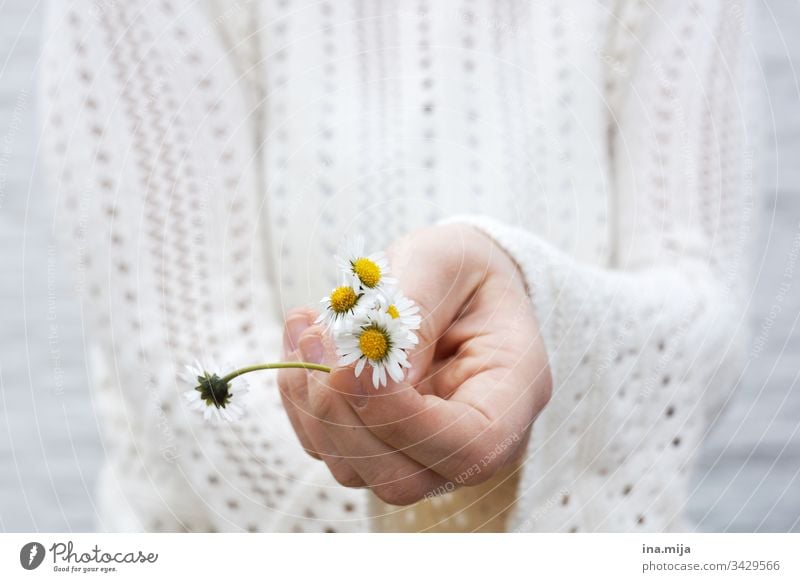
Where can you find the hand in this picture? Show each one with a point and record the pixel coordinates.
(479, 376)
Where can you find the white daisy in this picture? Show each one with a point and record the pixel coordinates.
(342, 302)
(380, 341)
(392, 301)
(218, 399)
(367, 272)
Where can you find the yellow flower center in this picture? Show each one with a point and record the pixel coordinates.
(367, 271)
(374, 344)
(343, 299)
(392, 310)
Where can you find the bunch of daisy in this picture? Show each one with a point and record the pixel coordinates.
(371, 321)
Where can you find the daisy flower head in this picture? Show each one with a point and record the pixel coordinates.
(399, 307)
(367, 272)
(342, 303)
(380, 341)
(217, 398)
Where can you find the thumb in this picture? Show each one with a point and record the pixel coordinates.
(439, 269)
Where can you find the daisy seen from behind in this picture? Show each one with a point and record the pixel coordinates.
(212, 393)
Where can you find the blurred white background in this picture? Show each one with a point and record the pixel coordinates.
(748, 478)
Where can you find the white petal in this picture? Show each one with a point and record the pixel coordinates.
(347, 342)
(404, 342)
(190, 374)
(348, 359)
(395, 371)
(360, 366)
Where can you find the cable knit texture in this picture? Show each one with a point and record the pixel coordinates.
(208, 157)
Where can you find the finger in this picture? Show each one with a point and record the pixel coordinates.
(447, 436)
(290, 382)
(504, 374)
(296, 322)
(458, 272)
(392, 476)
(312, 352)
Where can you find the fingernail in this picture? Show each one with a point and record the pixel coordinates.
(295, 326)
(311, 348)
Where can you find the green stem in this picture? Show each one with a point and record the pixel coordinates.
(275, 366)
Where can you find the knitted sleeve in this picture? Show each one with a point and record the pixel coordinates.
(643, 349)
(153, 160)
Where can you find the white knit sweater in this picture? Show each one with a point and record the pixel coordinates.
(208, 158)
